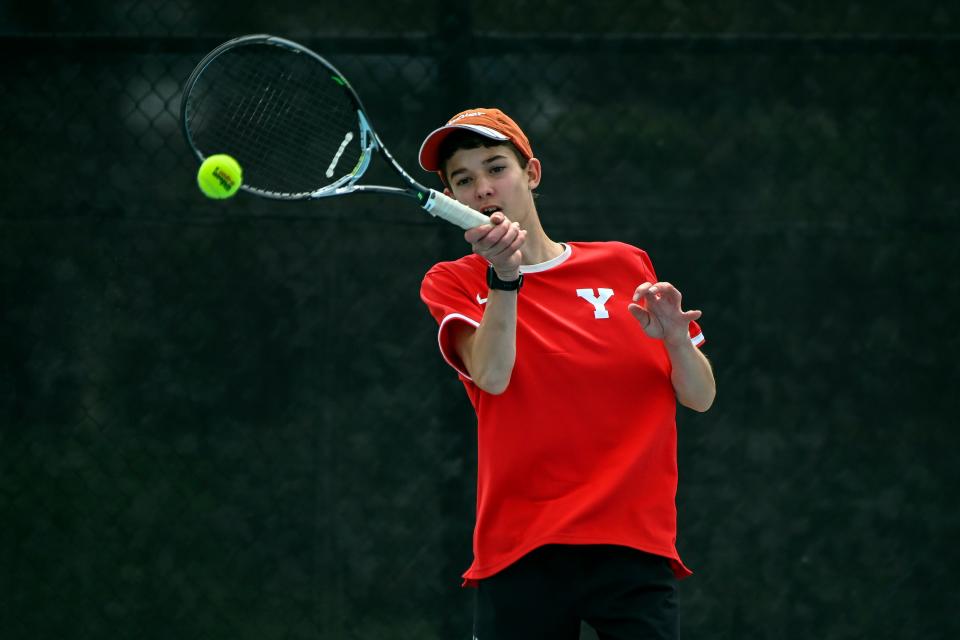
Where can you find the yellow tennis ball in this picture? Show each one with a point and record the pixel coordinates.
(219, 176)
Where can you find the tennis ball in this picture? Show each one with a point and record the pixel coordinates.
(219, 176)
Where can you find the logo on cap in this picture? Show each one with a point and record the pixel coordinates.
(470, 114)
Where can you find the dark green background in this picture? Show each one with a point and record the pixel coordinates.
(230, 420)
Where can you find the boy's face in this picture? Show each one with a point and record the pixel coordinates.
(489, 179)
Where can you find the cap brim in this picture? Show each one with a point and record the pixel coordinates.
(430, 149)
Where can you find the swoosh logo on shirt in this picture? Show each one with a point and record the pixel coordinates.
(481, 300)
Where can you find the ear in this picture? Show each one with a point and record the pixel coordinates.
(447, 192)
(533, 171)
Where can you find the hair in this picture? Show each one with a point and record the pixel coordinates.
(465, 139)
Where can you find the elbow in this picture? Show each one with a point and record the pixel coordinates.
(492, 383)
(701, 403)
(702, 407)
(697, 394)
(491, 373)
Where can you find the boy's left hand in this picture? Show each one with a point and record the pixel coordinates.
(657, 307)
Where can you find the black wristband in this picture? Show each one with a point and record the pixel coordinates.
(494, 281)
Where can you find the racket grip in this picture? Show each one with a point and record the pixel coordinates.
(445, 207)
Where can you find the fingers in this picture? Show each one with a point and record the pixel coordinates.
(664, 291)
(663, 300)
(656, 306)
(640, 295)
(502, 242)
(662, 294)
(641, 314)
(499, 241)
(478, 233)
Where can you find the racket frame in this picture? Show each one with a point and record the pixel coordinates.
(434, 202)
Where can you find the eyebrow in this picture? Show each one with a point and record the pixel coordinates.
(499, 156)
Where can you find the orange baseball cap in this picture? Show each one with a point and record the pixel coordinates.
(490, 123)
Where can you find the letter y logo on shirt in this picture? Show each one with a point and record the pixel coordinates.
(599, 311)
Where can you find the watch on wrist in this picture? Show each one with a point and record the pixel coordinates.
(494, 281)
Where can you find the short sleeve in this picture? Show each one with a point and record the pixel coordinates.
(695, 331)
(451, 301)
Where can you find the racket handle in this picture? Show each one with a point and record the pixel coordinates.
(445, 207)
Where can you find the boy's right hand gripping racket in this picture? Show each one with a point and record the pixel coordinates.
(294, 124)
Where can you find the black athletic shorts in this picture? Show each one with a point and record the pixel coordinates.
(624, 594)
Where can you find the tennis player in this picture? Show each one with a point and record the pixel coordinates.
(574, 356)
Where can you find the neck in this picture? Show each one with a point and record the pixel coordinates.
(538, 247)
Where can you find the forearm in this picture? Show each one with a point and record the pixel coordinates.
(692, 376)
(489, 352)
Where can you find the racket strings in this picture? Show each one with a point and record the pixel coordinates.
(281, 114)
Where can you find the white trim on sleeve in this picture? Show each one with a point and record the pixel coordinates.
(446, 357)
(698, 339)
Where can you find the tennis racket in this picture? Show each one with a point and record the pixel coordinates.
(294, 124)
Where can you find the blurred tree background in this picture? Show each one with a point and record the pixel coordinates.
(230, 419)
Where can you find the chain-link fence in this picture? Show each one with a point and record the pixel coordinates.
(230, 419)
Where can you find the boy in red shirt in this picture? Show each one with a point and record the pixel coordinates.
(574, 357)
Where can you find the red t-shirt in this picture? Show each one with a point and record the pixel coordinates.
(581, 448)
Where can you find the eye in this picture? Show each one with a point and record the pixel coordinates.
(461, 182)
(497, 168)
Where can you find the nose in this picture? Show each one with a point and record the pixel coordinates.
(483, 188)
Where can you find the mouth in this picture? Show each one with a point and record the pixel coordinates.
(491, 209)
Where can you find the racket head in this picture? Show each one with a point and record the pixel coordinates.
(287, 115)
